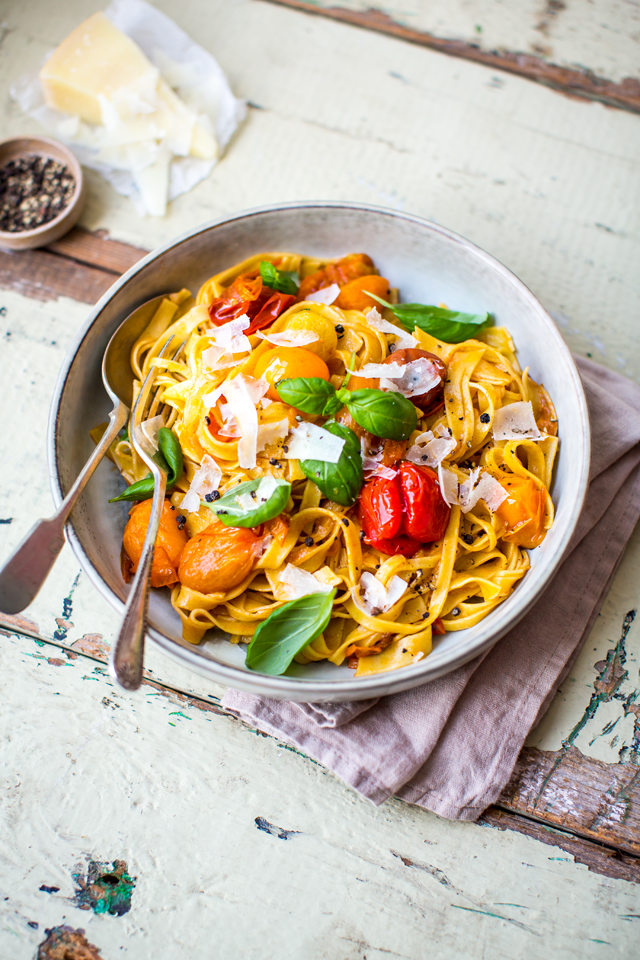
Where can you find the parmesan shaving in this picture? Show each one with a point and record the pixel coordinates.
(240, 392)
(327, 295)
(289, 338)
(429, 450)
(376, 597)
(272, 432)
(515, 422)
(479, 486)
(405, 340)
(147, 435)
(313, 443)
(300, 583)
(230, 338)
(410, 379)
(206, 480)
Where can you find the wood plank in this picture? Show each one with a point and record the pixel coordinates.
(600, 801)
(97, 250)
(42, 275)
(576, 82)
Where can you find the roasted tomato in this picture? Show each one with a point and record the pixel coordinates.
(341, 272)
(170, 542)
(288, 362)
(247, 294)
(219, 558)
(355, 294)
(426, 514)
(381, 508)
(433, 399)
(522, 512)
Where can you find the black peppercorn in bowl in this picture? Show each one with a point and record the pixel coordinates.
(41, 192)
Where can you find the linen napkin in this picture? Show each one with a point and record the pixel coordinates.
(451, 745)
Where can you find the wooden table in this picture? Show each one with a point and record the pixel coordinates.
(527, 141)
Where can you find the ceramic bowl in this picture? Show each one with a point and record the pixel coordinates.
(18, 147)
(428, 264)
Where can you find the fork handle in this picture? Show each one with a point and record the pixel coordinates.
(24, 572)
(127, 655)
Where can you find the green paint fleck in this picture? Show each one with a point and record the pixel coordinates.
(107, 888)
(171, 724)
(593, 940)
(176, 713)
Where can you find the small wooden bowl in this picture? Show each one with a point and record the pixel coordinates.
(48, 232)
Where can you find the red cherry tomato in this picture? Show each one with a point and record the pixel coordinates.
(248, 295)
(404, 545)
(433, 399)
(426, 514)
(381, 508)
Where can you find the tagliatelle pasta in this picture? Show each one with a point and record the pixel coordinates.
(420, 525)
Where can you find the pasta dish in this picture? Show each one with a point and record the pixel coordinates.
(348, 475)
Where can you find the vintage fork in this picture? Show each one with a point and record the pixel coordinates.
(127, 654)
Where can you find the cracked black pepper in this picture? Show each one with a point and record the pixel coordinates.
(33, 191)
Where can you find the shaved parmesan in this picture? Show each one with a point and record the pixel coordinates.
(300, 583)
(289, 338)
(479, 486)
(272, 432)
(515, 422)
(230, 338)
(429, 450)
(410, 379)
(240, 393)
(313, 443)
(378, 323)
(376, 597)
(230, 427)
(206, 480)
(326, 296)
(147, 435)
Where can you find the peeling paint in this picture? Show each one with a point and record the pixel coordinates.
(274, 831)
(106, 888)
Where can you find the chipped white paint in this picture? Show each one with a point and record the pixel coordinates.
(176, 792)
(544, 183)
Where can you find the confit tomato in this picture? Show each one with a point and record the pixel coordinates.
(170, 542)
(289, 362)
(381, 508)
(219, 558)
(341, 272)
(433, 399)
(355, 294)
(522, 512)
(426, 514)
(247, 294)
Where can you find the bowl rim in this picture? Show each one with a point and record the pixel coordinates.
(293, 688)
(72, 161)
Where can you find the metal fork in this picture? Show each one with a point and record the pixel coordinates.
(127, 654)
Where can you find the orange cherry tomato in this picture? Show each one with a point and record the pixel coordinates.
(219, 558)
(170, 542)
(340, 272)
(522, 512)
(288, 362)
(355, 294)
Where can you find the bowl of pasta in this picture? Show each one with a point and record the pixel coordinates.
(376, 440)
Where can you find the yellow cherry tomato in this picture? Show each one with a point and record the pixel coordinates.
(311, 321)
(286, 363)
(522, 512)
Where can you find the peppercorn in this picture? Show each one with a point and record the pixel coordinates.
(181, 520)
(308, 541)
(485, 418)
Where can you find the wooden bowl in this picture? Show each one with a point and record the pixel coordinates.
(18, 147)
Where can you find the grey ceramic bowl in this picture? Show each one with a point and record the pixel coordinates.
(428, 264)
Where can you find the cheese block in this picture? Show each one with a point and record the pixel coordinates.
(97, 61)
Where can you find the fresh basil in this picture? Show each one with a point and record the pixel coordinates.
(280, 281)
(341, 481)
(233, 514)
(450, 326)
(384, 413)
(169, 459)
(310, 394)
(288, 631)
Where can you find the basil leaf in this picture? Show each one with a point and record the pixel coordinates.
(170, 448)
(341, 481)
(271, 277)
(288, 631)
(450, 326)
(233, 514)
(384, 413)
(169, 458)
(310, 394)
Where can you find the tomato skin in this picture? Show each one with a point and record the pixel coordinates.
(170, 542)
(355, 294)
(426, 514)
(433, 399)
(403, 545)
(289, 362)
(341, 272)
(249, 295)
(522, 512)
(219, 558)
(381, 508)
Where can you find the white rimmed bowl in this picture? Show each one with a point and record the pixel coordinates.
(429, 264)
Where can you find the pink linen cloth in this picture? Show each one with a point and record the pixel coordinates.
(451, 745)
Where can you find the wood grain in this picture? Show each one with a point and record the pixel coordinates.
(97, 250)
(575, 82)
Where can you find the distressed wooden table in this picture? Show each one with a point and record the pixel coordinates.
(155, 824)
